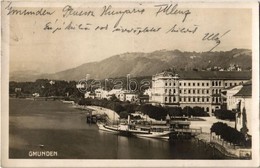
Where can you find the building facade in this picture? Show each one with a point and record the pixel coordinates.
(244, 110)
(196, 88)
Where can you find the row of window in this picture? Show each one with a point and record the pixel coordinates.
(233, 84)
(187, 99)
(193, 91)
(214, 83)
(170, 84)
(170, 91)
(195, 99)
(216, 99)
(170, 99)
(216, 91)
(195, 84)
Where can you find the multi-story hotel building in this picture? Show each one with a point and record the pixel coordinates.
(194, 88)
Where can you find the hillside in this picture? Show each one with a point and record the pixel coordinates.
(147, 64)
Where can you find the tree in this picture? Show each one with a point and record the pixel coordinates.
(174, 111)
(114, 98)
(187, 111)
(228, 133)
(123, 114)
(225, 115)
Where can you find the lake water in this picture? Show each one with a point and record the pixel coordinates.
(54, 126)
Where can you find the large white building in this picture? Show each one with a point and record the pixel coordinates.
(194, 88)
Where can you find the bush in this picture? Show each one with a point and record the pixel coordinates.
(225, 115)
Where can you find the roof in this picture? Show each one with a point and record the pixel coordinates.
(245, 75)
(246, 90)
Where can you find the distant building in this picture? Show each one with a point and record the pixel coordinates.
(143, 99)
(132, 97)
(36, 95)
(90, 95)
(17, 90)
(194, 88)
(52, 82)
(148, 92)
(120, 94)
(234, 67)
(101, 94)
(80, 86)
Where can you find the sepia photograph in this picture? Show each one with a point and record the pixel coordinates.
(130, 84)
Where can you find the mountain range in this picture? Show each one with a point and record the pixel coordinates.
(145, 64)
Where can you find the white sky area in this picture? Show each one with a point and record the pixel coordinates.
(32, 48)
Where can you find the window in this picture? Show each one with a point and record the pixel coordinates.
(198, 91)
(180, 84)
(165, 99)
(213, 91)
(219, 83)
(188, 84)
(180, 91)
(174, 84)
(174, 99)
(198, 84)
(170, 83)
(173, 90)
(189, 91)
(193, 84)
(170, 91)
(207, 91)
(198, 99)
(194, 91)
(225, 84)
(184, 84)
(202, 84)
(216, 83)
(170, 99)
(212, 83)
(207, 84)
(166, 84)
(202, 99)
(165, 90)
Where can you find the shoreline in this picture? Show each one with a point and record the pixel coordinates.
(234, 153)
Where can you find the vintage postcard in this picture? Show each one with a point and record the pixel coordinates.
(129, 84)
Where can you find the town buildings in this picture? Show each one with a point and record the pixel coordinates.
(194, 88)
(120, 94)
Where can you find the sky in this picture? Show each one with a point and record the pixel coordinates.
(33, 48)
